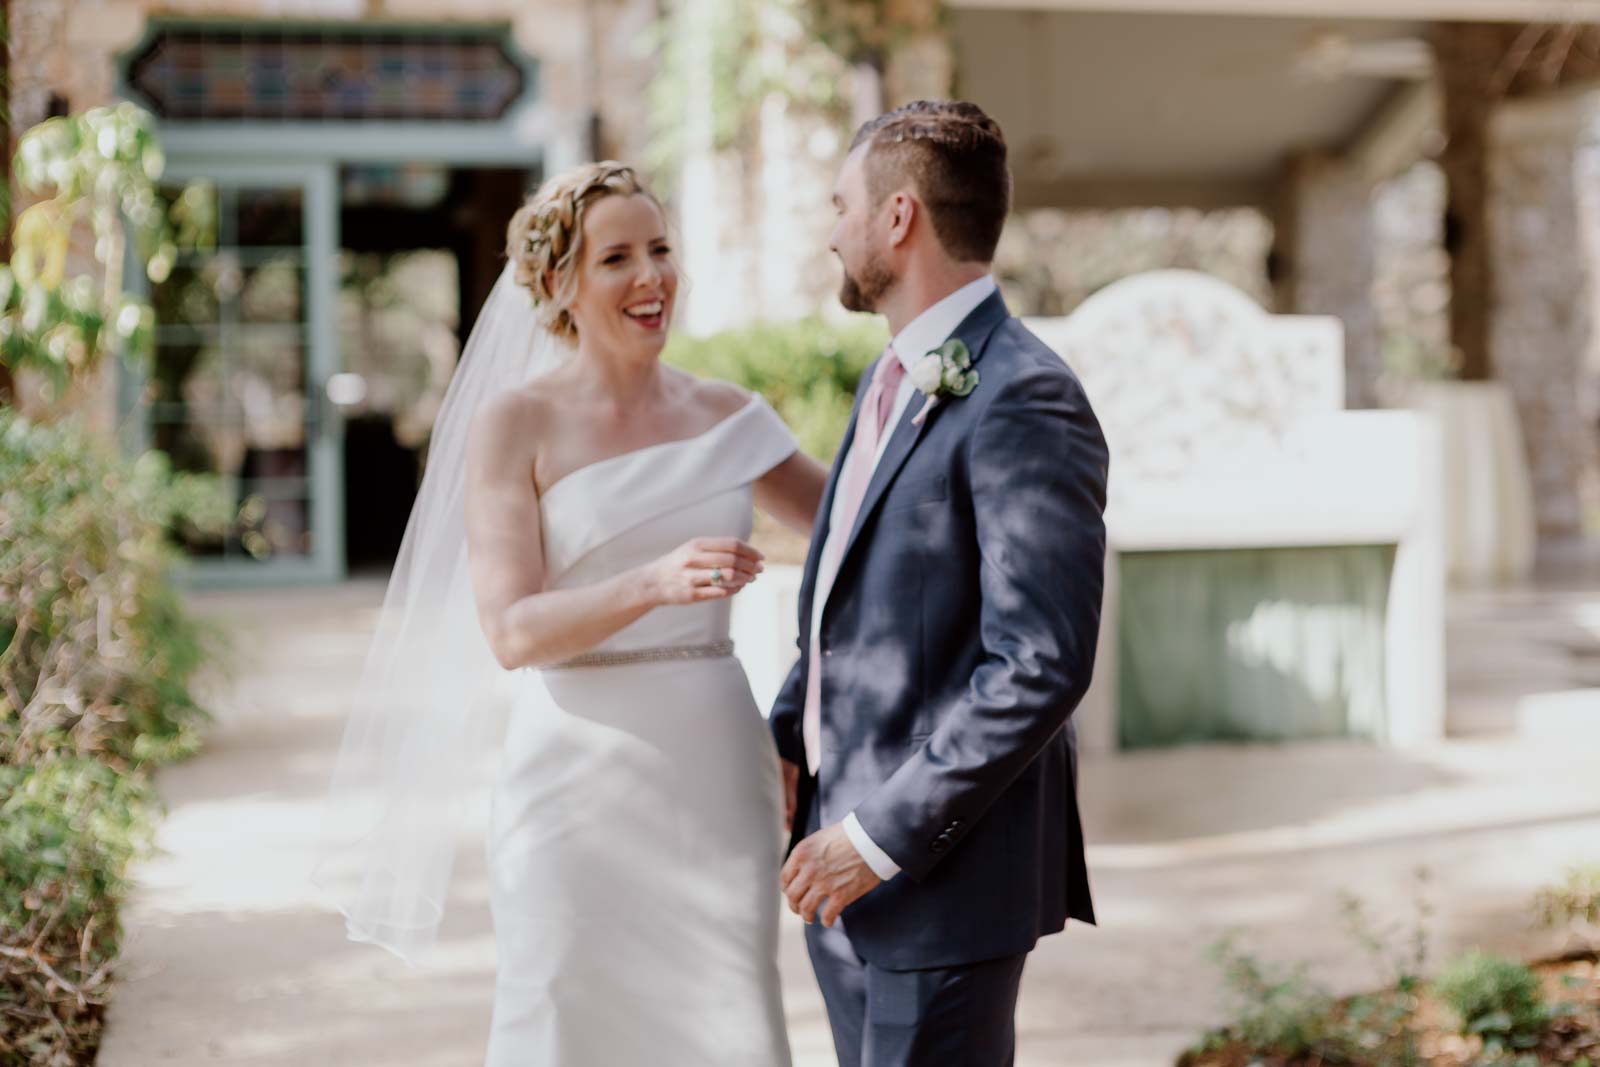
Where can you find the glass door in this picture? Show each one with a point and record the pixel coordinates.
(244, 348)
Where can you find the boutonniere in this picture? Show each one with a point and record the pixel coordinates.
(946, 371)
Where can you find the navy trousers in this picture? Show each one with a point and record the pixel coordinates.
(962, 1016)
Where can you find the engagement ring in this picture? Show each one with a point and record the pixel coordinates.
(716, 576)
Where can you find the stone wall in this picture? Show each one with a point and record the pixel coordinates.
(1412, 290)
(1326, 256)
(1050, 261)
(1544, 175)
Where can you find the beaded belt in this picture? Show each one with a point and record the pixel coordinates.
(625, 657)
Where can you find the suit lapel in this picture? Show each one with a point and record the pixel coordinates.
(819, 530)
(974, 331)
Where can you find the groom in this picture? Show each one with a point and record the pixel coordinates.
(948, 617)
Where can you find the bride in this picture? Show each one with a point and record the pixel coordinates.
(581, 528)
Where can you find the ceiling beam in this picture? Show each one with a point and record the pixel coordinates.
(1394, 10)
(1407, 128)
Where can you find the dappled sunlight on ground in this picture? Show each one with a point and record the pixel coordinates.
(231, 958)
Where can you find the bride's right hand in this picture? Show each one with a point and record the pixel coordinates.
(685, 575)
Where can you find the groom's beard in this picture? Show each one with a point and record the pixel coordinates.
(864, 293)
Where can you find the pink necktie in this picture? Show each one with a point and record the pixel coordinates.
(853, 480)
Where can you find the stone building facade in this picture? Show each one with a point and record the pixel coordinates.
(752, 211)
(588, 51)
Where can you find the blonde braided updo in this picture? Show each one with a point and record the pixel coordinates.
(545, 237)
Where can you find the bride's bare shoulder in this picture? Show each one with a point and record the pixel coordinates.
(719, 398)
(510, 423)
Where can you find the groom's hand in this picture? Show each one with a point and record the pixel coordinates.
(825, 872)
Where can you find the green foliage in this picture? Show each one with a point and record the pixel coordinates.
(1276, 1011)
(862, 29)
(717, 43)
(96, 662)
(718, 61)
(96, 654)
(808, 369)
(1574, 902)
(1280, 1014)
(68, 828)
(1383, 1020)
(1281, 1017)
(100, 167)
(1497, 998)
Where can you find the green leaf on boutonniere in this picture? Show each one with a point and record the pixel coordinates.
(956, 376)
(954, 353)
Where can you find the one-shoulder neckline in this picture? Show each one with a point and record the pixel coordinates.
(755, 400)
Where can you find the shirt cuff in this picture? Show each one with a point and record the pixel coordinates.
(875, 857)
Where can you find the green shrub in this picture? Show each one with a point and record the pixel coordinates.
(808, 369)
(1279, 1015)
(96, 654)
(1383, 1019)
(68, 827)
(1276, 1011)
(1495, 997)
(97, 658)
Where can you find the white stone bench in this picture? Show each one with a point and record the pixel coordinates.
(1226, 431)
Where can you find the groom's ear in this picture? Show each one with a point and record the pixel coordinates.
(903, 209)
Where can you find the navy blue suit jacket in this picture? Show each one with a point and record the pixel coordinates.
(957, 640)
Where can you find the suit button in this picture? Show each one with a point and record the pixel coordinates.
(955, 824)
(827, 652)
(941, 843)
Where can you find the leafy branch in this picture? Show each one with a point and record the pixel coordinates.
(868, 30)
(95, 176)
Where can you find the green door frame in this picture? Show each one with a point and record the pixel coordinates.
(318, 185)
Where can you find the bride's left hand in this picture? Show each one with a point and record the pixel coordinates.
(825, 872)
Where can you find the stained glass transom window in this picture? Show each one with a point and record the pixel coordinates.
(336, 73)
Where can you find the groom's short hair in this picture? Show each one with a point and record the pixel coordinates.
(954, 156)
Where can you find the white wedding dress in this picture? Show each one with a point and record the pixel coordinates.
(636, 830)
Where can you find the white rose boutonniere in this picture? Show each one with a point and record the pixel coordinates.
(946, 371)
(926, 374)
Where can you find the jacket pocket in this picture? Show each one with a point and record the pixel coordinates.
(935, 490)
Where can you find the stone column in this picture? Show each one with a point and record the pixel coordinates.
(1326, 260)
(1544, 166)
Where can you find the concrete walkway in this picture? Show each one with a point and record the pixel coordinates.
(230, 959)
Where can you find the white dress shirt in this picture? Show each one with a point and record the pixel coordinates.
(922, 335)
